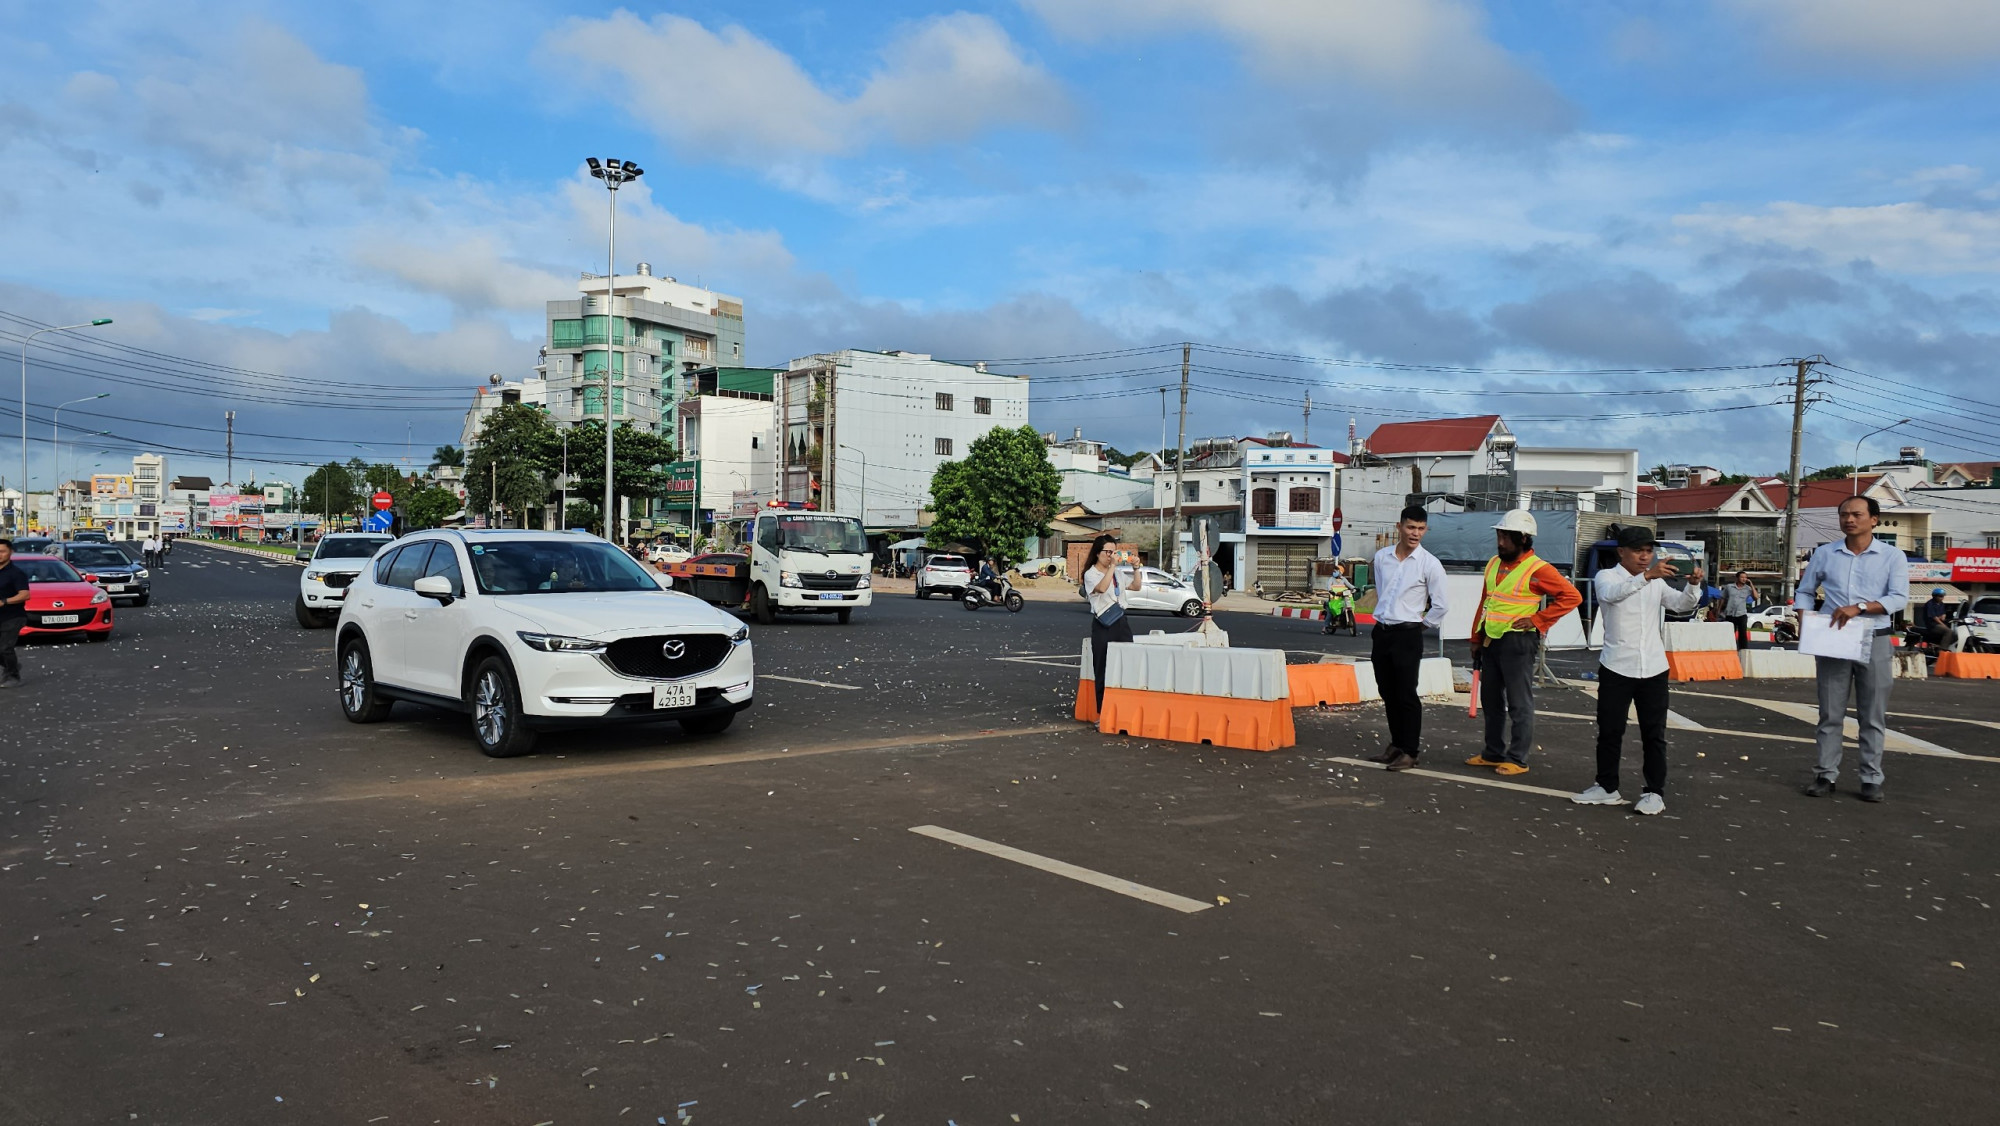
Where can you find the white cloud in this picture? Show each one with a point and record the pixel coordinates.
(731, 96)
(1422, 54)
(1906, 34)
(1912, 238)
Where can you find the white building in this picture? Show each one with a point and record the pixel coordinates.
(657, 328)
(1583, 478)
(880, 423)
(727, 428)
(1089, 480)
(499, 392)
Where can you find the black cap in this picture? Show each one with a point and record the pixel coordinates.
(1636, 538)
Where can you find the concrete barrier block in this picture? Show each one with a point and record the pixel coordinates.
(1778, 664)
(1700, 637)
(1434, 677)
(1912, 666)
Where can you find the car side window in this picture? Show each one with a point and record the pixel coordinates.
(382, 565)
(409, 564)
(444, 564)
(767, 535)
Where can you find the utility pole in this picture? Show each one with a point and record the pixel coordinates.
(1306, 435)
(229, 417)
(1160, 506)
(1180, 472)
(1799, 384)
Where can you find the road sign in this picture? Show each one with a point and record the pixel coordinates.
(378, 522)
(382, 500)
(1336, 543)
(1338, 519)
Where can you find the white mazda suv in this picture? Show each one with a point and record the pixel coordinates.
(527, 631)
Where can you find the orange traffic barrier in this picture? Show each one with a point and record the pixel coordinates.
(1970, 666)
(1696, 665)
(1086, 701)
(1249, 725)
(1329, 683)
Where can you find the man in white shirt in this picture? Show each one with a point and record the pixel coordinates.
(1409, 598)
(1632, 600)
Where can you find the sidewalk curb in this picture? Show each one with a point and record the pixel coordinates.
(271, 555)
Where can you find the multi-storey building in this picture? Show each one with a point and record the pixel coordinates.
(498, 392)
(646, 330)
(726, 433)
(861, 432)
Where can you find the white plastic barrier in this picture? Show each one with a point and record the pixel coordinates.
(1088, 669)
(1778, 664)
(1364, 679)
(1700, 637)
(1193, 638)
(1434, 677)
(1913, 666)
(1568, 633)
(1244, 674)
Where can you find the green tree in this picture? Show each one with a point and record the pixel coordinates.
(329, 490)
(1002, 493)
(583, 514)
(1831, 473)
(638, 462)
(429, 507)
(447, 456)
(513, 452)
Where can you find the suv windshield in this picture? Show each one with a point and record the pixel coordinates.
(99, 557)
(351, 547)
(48, 571)
(556, 567)
(828, 535)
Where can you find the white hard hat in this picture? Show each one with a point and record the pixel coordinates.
(1517, 520)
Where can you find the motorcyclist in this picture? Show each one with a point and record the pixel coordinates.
(989, 578)
(1339, 602)
(1933, 620)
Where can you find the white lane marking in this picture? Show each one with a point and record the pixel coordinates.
(1675, 720)
(1467, 779)
(1896, 741)
(1070, 661)
(814, 683)
(1705, 730)
(1947, 719)
(1893, 740)
(1084, 875)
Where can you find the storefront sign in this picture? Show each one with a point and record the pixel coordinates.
(1974, 564)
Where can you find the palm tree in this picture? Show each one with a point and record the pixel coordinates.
(448, 455)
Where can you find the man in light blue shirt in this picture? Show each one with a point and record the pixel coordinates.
(1861, 582)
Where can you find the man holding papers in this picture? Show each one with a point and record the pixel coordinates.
(1860, 582)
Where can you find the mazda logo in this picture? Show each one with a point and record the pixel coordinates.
(59, 605)
(674, 649)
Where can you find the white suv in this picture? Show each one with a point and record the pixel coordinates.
(330, 571)
(944, 574)
(531, 630)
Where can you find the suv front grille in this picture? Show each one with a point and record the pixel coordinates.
(643, 656)
(340, 580)
(824, 581)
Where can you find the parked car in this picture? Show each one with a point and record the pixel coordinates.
(109, 567)
(1982, 616)
(1161, 591)
(335, 560)
(61, 602)
(943, 574)
(664, 552)
(91, 535)
(525, 631)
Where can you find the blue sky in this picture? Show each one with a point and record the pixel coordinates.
(360, 202)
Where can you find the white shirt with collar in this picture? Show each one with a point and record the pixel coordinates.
(1633, 609)
(1409, 590)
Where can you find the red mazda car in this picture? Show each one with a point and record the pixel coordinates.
(61, 602)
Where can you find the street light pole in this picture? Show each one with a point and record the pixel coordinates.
(1856, 463)
(864, 484)
(614, 172)
(55, 446)
(18, 513)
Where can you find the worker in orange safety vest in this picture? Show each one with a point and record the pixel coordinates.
(1524, 595)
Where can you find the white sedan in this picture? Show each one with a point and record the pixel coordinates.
(1161, 591)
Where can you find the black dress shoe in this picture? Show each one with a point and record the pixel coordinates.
(1386, 754)
(1871, 791)
(1402, 761)
(1819, 788)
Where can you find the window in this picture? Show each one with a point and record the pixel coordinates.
(1992, 540)
(943, 401)
(735, 349)
(1744, 504)
(982, 406)
(943, 448)
(444, 565)
(1191, 492)
(753, 441)
(1940, 543)
(1304, 500)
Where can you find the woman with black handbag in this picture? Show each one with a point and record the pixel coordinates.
(1105, 586)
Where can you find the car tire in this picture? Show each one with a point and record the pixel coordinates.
(359, 700)
(920, 593)
(760, 606)
(1015, 602)
(497, 723)
(842, 616)
(700, 725)
(308, 617)
(1191, 608)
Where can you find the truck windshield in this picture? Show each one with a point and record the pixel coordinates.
(555, 567)
(827, 535)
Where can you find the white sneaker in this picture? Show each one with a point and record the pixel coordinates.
(1596, 796)
(1650, 804)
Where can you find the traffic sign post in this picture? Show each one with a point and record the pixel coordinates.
(382, 500)
(1338, 519)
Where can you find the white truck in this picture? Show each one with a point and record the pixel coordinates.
(793, 561)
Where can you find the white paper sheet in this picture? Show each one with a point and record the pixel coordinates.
(1853, 642)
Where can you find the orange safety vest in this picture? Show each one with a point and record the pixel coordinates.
(1509, 600)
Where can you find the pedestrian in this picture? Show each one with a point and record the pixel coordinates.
(13, 613)
(1737, 602)
(1409, 599)
(1105, 574)
(1507, 631)
(150, 549)
(1862, 582)
(1632, 667)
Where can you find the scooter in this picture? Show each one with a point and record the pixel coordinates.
(976, 596)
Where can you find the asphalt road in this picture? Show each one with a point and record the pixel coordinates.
(224, 904)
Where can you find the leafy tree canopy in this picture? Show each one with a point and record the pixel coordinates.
(429, 507)
(329, 490)
(447, 456)
(1002, 493)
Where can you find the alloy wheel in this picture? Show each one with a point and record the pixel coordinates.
(489, 709)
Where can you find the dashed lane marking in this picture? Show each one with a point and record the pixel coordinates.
(814, 683)
(1464, 779)
(1054, 660)
(1089, 876)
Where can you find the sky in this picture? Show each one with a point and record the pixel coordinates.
(1604, 220)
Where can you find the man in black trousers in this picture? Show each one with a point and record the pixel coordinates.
(1409, 599)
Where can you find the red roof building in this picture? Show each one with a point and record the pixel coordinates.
(1434, 436)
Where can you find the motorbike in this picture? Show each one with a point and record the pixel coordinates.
(1340, 614)
(976, 596)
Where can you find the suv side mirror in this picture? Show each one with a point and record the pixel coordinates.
(435, 586)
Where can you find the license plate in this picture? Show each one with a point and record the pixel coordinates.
(673, 695)
(829, 598)
(114, 587)
(59, 619)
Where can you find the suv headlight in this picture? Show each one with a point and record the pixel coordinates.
(863, 584)
(556, 643)
(786, 578)
(741, 635)
(142, 573)
(316, 576)
(100, 596)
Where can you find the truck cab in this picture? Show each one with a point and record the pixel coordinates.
(805, 562)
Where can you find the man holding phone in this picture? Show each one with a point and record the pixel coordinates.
(1864, 582)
